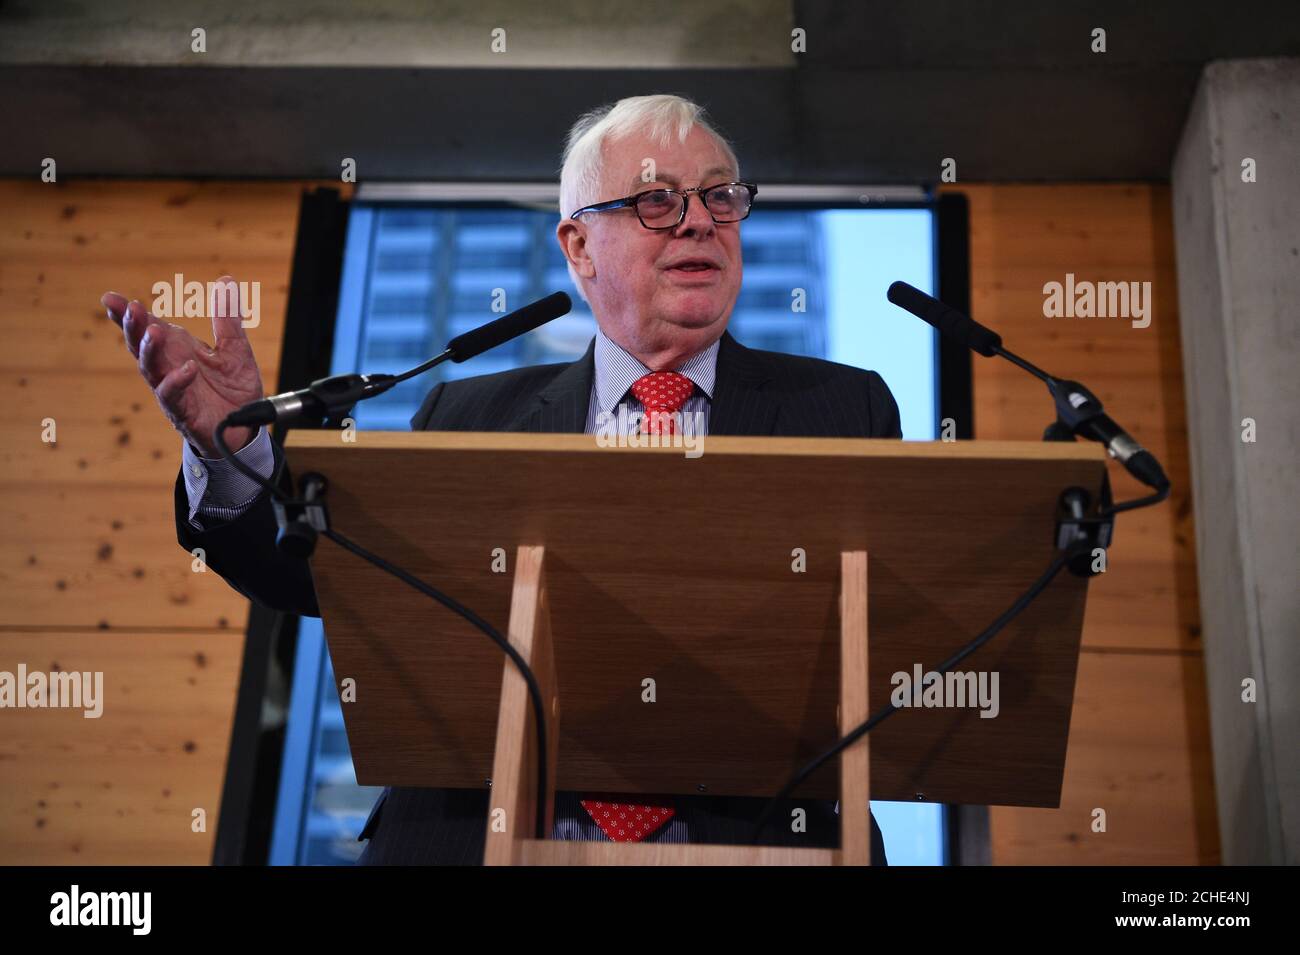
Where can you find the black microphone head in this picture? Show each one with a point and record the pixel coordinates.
(949, 321)
(478, 340)
(908, 297)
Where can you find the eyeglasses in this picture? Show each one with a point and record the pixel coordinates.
(666, 208)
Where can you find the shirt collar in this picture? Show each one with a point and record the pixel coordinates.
(616, 371)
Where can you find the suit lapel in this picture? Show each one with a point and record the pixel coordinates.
(563, 404)
(740, 404)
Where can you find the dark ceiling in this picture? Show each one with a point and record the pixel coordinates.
(884, 93)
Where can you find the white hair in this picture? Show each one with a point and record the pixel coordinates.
(658, 117)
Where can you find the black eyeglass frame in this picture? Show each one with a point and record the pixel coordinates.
(631, 202)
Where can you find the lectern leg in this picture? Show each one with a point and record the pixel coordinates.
(511, 837)
(512, 808)
(855, 762)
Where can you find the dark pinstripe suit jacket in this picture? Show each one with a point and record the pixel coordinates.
(756, 393)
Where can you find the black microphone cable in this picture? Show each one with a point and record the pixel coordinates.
(219, 439)
(888, 710)
(1078, 412)
(534, 690)
(330, 394)
(988, 343)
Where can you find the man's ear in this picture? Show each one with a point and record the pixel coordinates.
(572, 236)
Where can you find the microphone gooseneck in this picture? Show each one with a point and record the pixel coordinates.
(1078, 411)
(329, 397)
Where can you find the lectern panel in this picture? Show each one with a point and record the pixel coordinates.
(708, 585)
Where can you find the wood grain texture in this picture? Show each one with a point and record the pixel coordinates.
(854, 709)
(92, 539)
(514, 765)
(1023, 237)
(120, 789)
(89, 565)
(1140, 751)
(701, 595)
(855, 840)
(1138, 740)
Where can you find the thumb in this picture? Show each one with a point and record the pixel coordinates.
(227, 318)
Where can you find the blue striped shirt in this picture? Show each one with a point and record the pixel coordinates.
(617, 371)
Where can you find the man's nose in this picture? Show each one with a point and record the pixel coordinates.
(697, 220)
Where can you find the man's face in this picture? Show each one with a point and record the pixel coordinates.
(641, 296)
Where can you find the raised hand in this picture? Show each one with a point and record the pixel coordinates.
(196, 386)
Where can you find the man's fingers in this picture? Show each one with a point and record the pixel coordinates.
(115, 305)
(175, 382)
(135, 322)
(153, 353)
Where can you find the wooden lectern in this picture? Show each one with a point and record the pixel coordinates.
(698, 625)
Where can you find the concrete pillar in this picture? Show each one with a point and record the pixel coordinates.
(1236, 194)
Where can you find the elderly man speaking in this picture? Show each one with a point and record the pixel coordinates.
(651, 201)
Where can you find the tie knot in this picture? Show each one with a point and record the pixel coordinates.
(663, 391)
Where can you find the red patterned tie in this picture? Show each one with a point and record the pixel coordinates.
(624, 821)
(663, 393)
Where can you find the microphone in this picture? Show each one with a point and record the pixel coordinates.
(478, 340)
(1077, 409)
(1081, 413)
(949, 321)
(327, 397)
(320, 399)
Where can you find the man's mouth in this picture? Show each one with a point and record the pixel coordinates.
(693, 266)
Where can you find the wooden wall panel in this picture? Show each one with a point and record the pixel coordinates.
(1139, 751)
(90, 571)
(1025, 236)
(120, 789)
(1140, 738)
